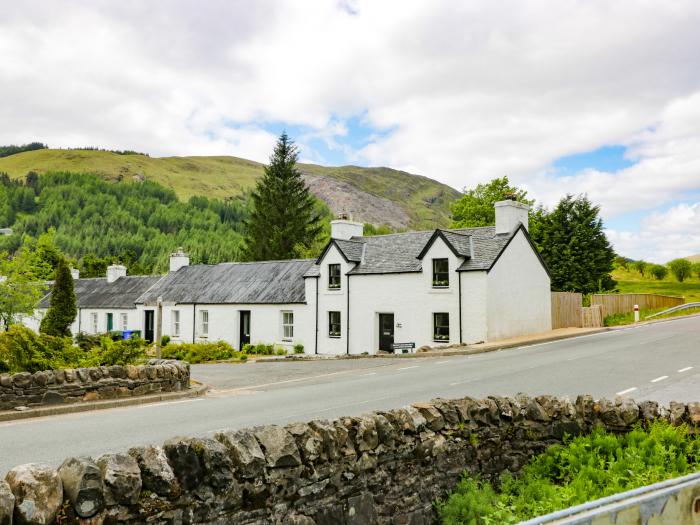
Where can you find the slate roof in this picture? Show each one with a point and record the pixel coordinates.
(269, 282)
(351, 249)
(98, 293)
(399, 252)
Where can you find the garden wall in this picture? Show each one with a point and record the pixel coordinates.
(91, 384)
(384, 467)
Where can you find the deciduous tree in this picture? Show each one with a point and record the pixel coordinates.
(475, 208)
(19, 289)
(681, 269)
(658, 271)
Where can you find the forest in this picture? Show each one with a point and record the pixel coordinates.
(97, 222)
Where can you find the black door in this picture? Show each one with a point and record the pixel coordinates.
(244, 328)
(386, 331)
(149, 325)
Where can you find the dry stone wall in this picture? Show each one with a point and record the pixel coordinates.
(384, 468)
(92, 384)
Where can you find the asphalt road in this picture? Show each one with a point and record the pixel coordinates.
(659, 361)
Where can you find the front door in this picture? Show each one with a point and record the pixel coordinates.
(149, 325)
(110, 321)
(244, 328)
(386, 331)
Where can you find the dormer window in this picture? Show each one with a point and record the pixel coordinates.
(334, 277)
(441, 273)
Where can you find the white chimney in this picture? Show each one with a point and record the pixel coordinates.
(344, 228)
(75, 273)
(509, 214)
(178, 259)
(115, 271)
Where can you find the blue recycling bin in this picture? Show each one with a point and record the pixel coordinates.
(128, 334)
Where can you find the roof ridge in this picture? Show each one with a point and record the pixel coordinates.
(241, 263)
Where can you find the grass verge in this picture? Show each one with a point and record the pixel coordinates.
(583, 469)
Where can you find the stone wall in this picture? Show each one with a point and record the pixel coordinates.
(384, 467)
(91, 384)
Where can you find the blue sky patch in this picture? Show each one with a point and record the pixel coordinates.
(606, 158)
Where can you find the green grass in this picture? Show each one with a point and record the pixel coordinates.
(585, 469)
(426, 201)
(632, 282)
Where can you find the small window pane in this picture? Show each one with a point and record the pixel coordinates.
(176, 322)
(204, 317)
(287, 325)
(441, 273)
(125, 321)
(441, 327)
(334, 324)
(334, 276)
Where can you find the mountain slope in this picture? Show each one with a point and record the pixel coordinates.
(375, 195)
(694, 258)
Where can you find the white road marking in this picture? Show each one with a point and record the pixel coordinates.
(454, 384)
(623, 392)
(408, 367)
(660, 378)
(371, 374)
(685, 369)
(442, 362)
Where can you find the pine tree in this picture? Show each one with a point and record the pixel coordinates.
(62, 310)
(574, 246)
(284, 222)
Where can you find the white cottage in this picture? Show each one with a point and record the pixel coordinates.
(428, 288)
(362, 295)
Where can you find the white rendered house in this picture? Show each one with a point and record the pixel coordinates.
(362, 295)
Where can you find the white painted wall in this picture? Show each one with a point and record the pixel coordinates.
(330, 300)
(410, 297)
(224, 324)
(83, 320)
(519, 297)
(474, 306)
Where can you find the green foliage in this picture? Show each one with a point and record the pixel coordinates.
(6, 151)
(137, 224)
(658, 271)
(23, 350)
(695, 268)
(475, 207)
(370, 229)
(200, 352)
(284, 219)
(681, 269)
(280, 351)
(640, 266)
(298, 348)
(621, 262)
(164, 340)
(62, 309)
(19, 291)
(573, 244)
(585, 469)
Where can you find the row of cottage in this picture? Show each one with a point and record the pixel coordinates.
(362, 295)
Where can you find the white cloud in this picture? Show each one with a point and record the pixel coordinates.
(469, 90)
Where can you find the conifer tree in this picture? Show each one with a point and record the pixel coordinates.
(62, 309)
(284, 222)
(574, 246)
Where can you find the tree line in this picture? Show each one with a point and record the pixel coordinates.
(6, 151)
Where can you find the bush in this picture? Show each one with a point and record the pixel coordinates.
(585, 469)
(696, 269)
(200, 352)
(681, 269)
(120, 352)
(298, 348)
(658, 271)
(259, 349)
(281, 351)
(164, 340)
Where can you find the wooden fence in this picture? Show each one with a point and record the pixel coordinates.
(623, 303)
(566, 309)
(592, 316)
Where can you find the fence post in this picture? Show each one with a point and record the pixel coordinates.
(636, 313)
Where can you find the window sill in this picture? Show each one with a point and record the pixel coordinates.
(441, 340)
(334, 336)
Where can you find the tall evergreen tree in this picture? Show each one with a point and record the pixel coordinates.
(62, 310)
(284, 222)
(574, 246)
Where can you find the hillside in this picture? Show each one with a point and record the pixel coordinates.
(375, 195)
(694, 258)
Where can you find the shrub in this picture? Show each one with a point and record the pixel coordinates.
(281, 351)
(681, 269)
(120, 352)
(585, 469)
(259, 349)
(640, 266)
(298, 348)
(658, 271)
(164, 340)
(199, 352)
(696, 269)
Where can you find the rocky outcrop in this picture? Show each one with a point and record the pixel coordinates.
(56, 387)
(384, 468)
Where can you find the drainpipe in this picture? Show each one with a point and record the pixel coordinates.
(459, 283)
(80, 311)
(194, 319)
(159, 325)
(347, 322)
(316, 333)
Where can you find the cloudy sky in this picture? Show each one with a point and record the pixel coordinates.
(593, 97)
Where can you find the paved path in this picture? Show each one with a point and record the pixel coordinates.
(659, 361)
